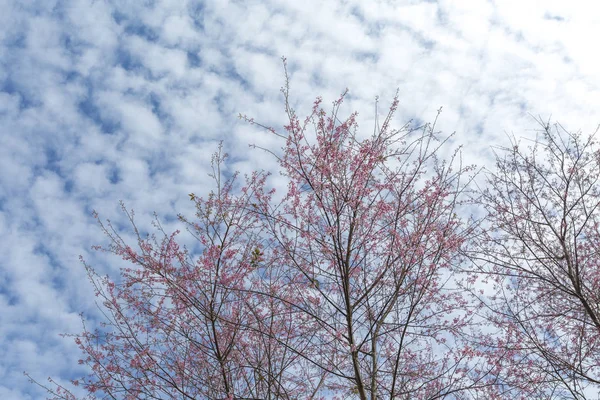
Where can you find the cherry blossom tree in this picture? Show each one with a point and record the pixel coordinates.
(344, 286)
(177, 327)
(542, 251)
(368, 235)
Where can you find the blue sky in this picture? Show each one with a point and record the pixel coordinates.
(104, 100)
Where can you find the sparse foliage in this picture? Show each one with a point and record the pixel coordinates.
(543, 252)
(352, 283)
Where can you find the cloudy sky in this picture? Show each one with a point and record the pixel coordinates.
(105, 100)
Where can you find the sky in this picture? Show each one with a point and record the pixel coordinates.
(105, 100)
